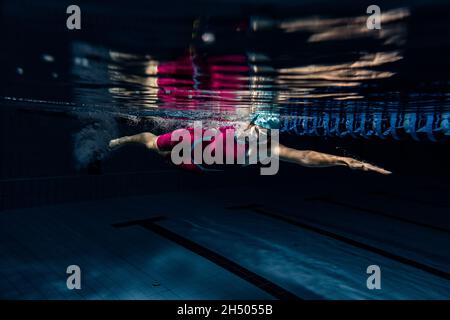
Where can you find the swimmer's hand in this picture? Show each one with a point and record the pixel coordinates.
(363, 166)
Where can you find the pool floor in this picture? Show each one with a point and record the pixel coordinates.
(258, 244)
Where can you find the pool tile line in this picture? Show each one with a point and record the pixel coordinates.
(412, 263)
(240, 271)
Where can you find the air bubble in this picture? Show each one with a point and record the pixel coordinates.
(208, 37)
(48, 58)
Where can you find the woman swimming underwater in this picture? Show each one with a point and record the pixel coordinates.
(225, 142)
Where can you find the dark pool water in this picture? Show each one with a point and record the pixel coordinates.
(310, 70)
(314, 71)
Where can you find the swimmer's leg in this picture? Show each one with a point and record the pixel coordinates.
(308, 158)
(146, 138)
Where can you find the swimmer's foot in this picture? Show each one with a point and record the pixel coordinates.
(363, 166)
(114, 143)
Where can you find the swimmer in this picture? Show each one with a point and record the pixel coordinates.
(163, 146)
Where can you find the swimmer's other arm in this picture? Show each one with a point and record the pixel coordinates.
(308, 158)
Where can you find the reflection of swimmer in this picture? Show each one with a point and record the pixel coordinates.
(163, 145)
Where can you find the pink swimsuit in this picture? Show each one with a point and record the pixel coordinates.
(165, 143)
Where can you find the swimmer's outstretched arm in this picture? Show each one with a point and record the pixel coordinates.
(308, 158)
